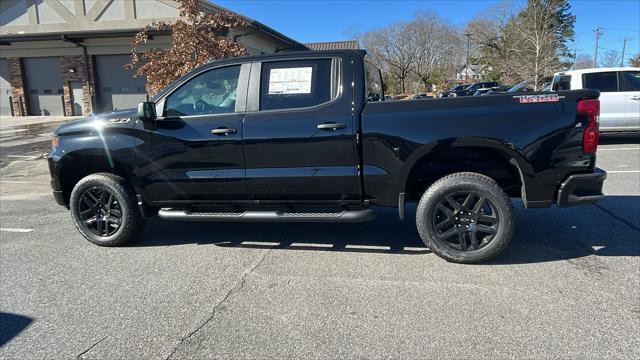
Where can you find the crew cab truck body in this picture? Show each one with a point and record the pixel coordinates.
(304, 137)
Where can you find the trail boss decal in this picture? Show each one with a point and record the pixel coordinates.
(527, 99)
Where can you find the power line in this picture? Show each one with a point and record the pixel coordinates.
(615, 29)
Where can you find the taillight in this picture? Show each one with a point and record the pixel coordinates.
(591, 109)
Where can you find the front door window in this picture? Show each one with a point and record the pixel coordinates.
(212, 92)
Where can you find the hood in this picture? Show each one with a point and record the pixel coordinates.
(119, 118)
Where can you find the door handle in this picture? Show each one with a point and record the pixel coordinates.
(331, 126)
(223, 131)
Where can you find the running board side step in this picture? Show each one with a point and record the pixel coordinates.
(345, 216)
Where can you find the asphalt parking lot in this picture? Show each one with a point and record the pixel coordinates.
(568, 286)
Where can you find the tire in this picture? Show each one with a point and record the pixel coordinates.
(487, 225)
(95, 203)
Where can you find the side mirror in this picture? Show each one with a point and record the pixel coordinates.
(147, 111)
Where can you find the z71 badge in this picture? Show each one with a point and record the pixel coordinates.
(526, 99)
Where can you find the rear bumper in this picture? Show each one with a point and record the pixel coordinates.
(581, 189)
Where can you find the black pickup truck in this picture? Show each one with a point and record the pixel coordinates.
(308, 137)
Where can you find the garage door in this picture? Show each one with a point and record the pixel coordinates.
(5, 88)
(44, 86)
(117, 88)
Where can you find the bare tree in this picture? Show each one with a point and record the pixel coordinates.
(391, 48)
(528, 43)
(610, 58)
(538, 27)
(495, 41)
(437, 47)
(635, 61)
(583, 61)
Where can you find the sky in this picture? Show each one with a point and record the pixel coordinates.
(331, 20)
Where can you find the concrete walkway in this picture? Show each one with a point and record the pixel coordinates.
(13, 121)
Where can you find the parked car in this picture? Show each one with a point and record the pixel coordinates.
(290, 137)
(453, 89)
(471, 89)
(619, 94)
(485, 91)
(421, 96)
(523, 86)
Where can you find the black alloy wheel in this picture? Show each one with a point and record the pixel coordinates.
(466, 220)
(104, 209)
(100, 211)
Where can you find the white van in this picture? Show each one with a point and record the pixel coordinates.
(619, 94)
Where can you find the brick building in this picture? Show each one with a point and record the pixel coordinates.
(66, 57)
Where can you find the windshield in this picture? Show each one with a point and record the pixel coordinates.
(519, 86)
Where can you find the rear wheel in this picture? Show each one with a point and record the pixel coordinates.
(104, 210)
(465, 218)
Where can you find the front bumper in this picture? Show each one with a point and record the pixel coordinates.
(59, 197)
(581, 189)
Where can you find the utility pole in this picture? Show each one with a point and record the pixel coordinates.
(624, 47)
(468, 35)
(595, 57)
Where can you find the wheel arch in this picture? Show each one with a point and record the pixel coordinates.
(79, 164)
(489, 157)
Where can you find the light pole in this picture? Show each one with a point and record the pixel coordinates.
(468, 35)
(624, 47)
(595, 57)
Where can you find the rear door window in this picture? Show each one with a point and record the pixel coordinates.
(561, 82)
(373, 83)
(631, 81)
(295, 84)
(603, 81)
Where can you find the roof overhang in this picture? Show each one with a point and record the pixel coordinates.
(290, 44)
(75, 36)
(258, 26)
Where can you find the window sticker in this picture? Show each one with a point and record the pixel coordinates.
(290, 81)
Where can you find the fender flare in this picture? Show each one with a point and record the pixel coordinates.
(506, 151)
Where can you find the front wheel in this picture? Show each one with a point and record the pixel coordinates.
(104, 210)
(465, 218)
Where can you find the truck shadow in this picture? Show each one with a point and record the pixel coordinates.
(609, 228)
(11, 325)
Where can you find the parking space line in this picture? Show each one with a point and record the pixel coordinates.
(26, 157)
(616, 149)
(623, 171)
(12, 131)
(24, 182)
(16, 230)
